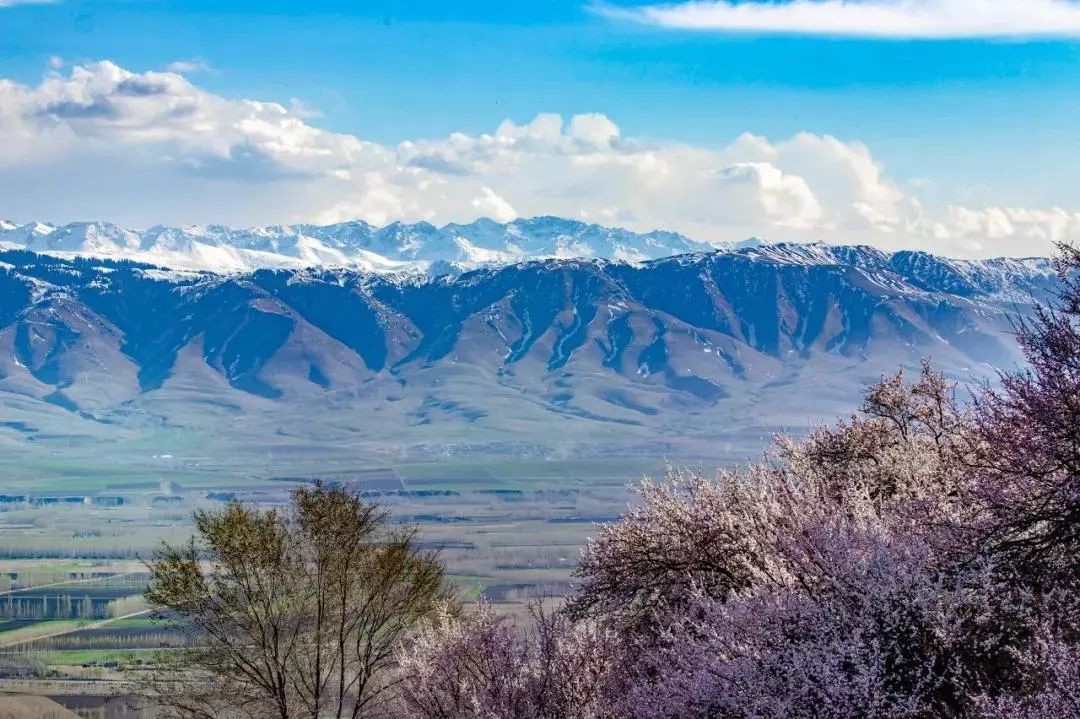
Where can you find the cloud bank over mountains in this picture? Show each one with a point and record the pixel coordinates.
(908, 19)
(98, 141)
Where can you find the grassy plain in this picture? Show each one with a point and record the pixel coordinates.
(507, 529)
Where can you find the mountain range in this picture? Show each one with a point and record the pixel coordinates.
(701, 354)
(394, 248)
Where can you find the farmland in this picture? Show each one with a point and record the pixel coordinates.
(71, 554)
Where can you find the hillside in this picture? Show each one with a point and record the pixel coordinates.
(700, 354)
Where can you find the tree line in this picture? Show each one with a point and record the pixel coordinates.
(919, 559)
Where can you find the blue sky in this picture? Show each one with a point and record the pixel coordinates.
(976, 121)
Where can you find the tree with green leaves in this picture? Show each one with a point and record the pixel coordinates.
(294, 613)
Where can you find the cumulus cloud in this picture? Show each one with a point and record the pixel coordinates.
(104, 108)
(491, 205)
(765, 191)
(102, 142)
(927, 19)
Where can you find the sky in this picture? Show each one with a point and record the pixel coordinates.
(943, 125)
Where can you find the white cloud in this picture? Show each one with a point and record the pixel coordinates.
(13, 3)
(101, 107)
(102, 142)
(928, 19)
(493, 206)
(761, 190)
(594, 129)
(187, 67)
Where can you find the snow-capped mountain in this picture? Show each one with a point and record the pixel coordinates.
(395, 247)
(703, 351)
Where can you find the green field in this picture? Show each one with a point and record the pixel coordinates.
(27, 634)
(79, 657)
(509, 530)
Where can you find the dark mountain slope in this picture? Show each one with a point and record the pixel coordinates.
(563, 353)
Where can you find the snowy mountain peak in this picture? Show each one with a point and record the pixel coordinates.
(398, 246)
(422, 248)
(12, 234)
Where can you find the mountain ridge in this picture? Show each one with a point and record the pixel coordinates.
(418, 247)
(573, 354)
